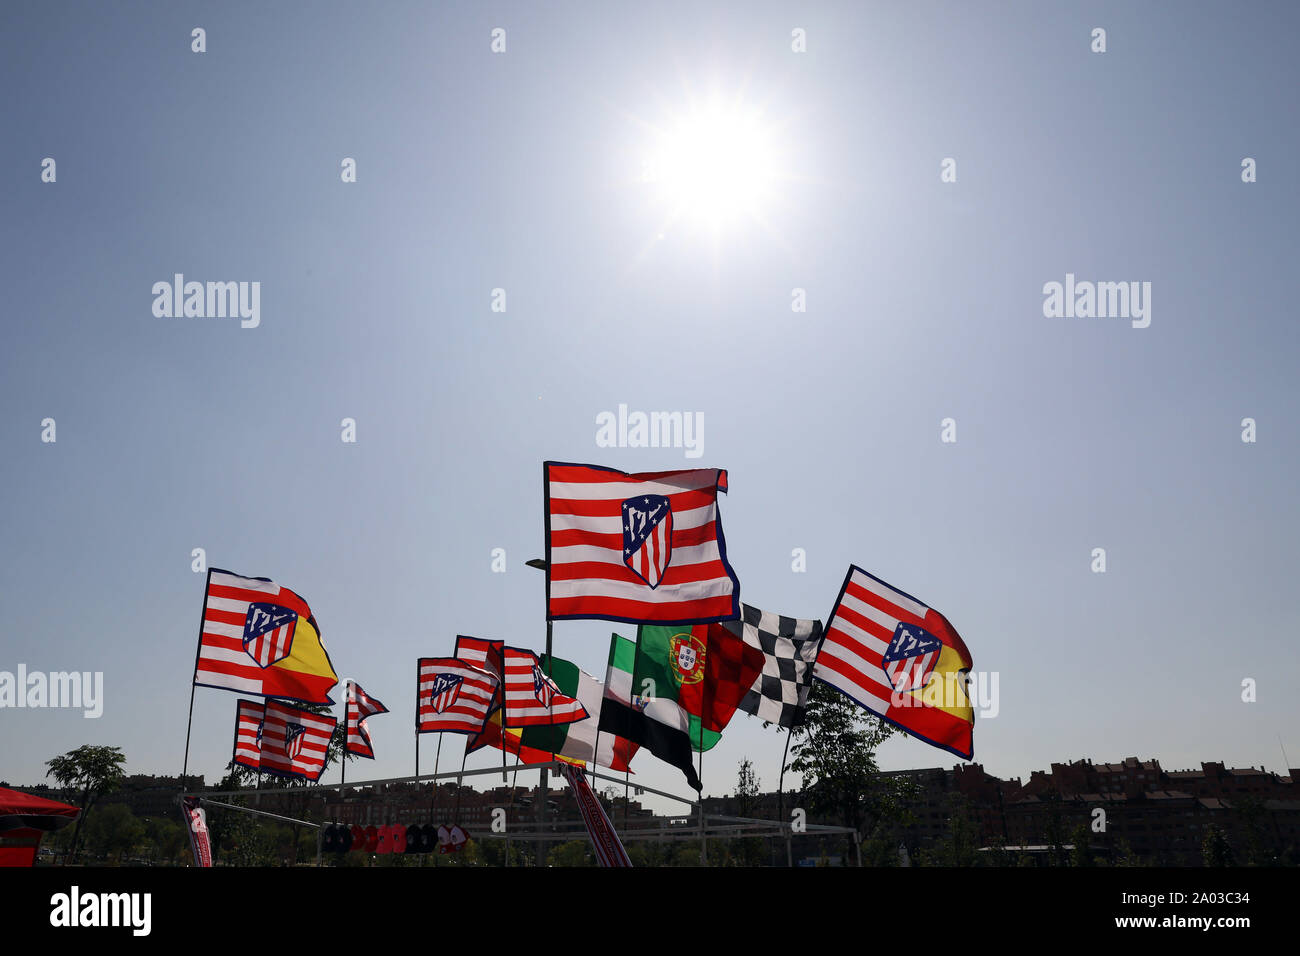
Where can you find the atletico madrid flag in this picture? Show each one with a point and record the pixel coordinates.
(295, 742)
(249, 715)
(532, 697)
(360, 706)
(454, 696)
(900, 660)
(641, 548)
(260, 638)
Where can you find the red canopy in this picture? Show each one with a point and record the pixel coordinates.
(24, 819)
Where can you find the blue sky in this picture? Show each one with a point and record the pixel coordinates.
(521, 171)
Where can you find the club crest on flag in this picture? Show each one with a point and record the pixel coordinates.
(648, 537)
(268, 633)
(909, 660)
(445, 690)
(687, 654)
(543, 689)
(293, 739)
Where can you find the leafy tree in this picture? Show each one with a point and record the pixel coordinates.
(94, 771)
(744, 851)
(959, 846)
(1081, 855)
(572, 853)
(1215, 850)
(114, 829)
(835, 752)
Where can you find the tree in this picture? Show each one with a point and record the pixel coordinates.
(1081, 855)
(1215, 850)
(745, 851)
(834, 751)
(94, 771)
(114, 829)
(572, 853)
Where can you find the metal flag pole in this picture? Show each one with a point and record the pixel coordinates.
(198, 649)
(780, 805)
(542, 565)
(704, 853)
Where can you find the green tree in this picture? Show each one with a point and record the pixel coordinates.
(94, 771)
(744, 851)
(959, 847)
(572, 853)
(834, 751)
(1215, 850)
(1081, 855)
(113, 830)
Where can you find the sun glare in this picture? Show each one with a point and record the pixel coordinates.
(714, 166)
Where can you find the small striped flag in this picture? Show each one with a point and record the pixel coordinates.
(640, 548)
(248, 733)
(295, 742)
(532, 698)
(900, 660)
(455, 696)
(361, 705)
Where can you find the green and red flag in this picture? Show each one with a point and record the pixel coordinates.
(710, 669)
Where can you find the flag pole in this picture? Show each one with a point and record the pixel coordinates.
(780, 796)
(417, 725)
(198, 649)
(704, 856)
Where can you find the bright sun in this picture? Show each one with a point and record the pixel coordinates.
(714, 166)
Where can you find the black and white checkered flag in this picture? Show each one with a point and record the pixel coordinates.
(789, 648)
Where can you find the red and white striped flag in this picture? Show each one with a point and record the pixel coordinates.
(248, 733)
(260, 638)
(900, 660)
(609, 849)
(642, 548)
(454, 696)
(532, 698)
(295, 742)
(361, 705)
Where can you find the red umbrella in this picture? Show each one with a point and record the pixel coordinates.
(24, 819)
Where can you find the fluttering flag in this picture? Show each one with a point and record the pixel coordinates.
(900, 660)
(709, 671)
(485, 655)
(295, 742)
(604, 838)
(656, 722)
(509, 739)
(260, 638)
(580, 739)
(637, 547)
(454, 696)
(531, 696)
(360, 706)
(789, 647)
(249, 715)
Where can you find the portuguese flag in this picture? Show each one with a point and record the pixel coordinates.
(640, 705)
(709, 670)
(579, 740)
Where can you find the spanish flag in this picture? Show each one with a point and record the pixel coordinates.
(260, 638)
